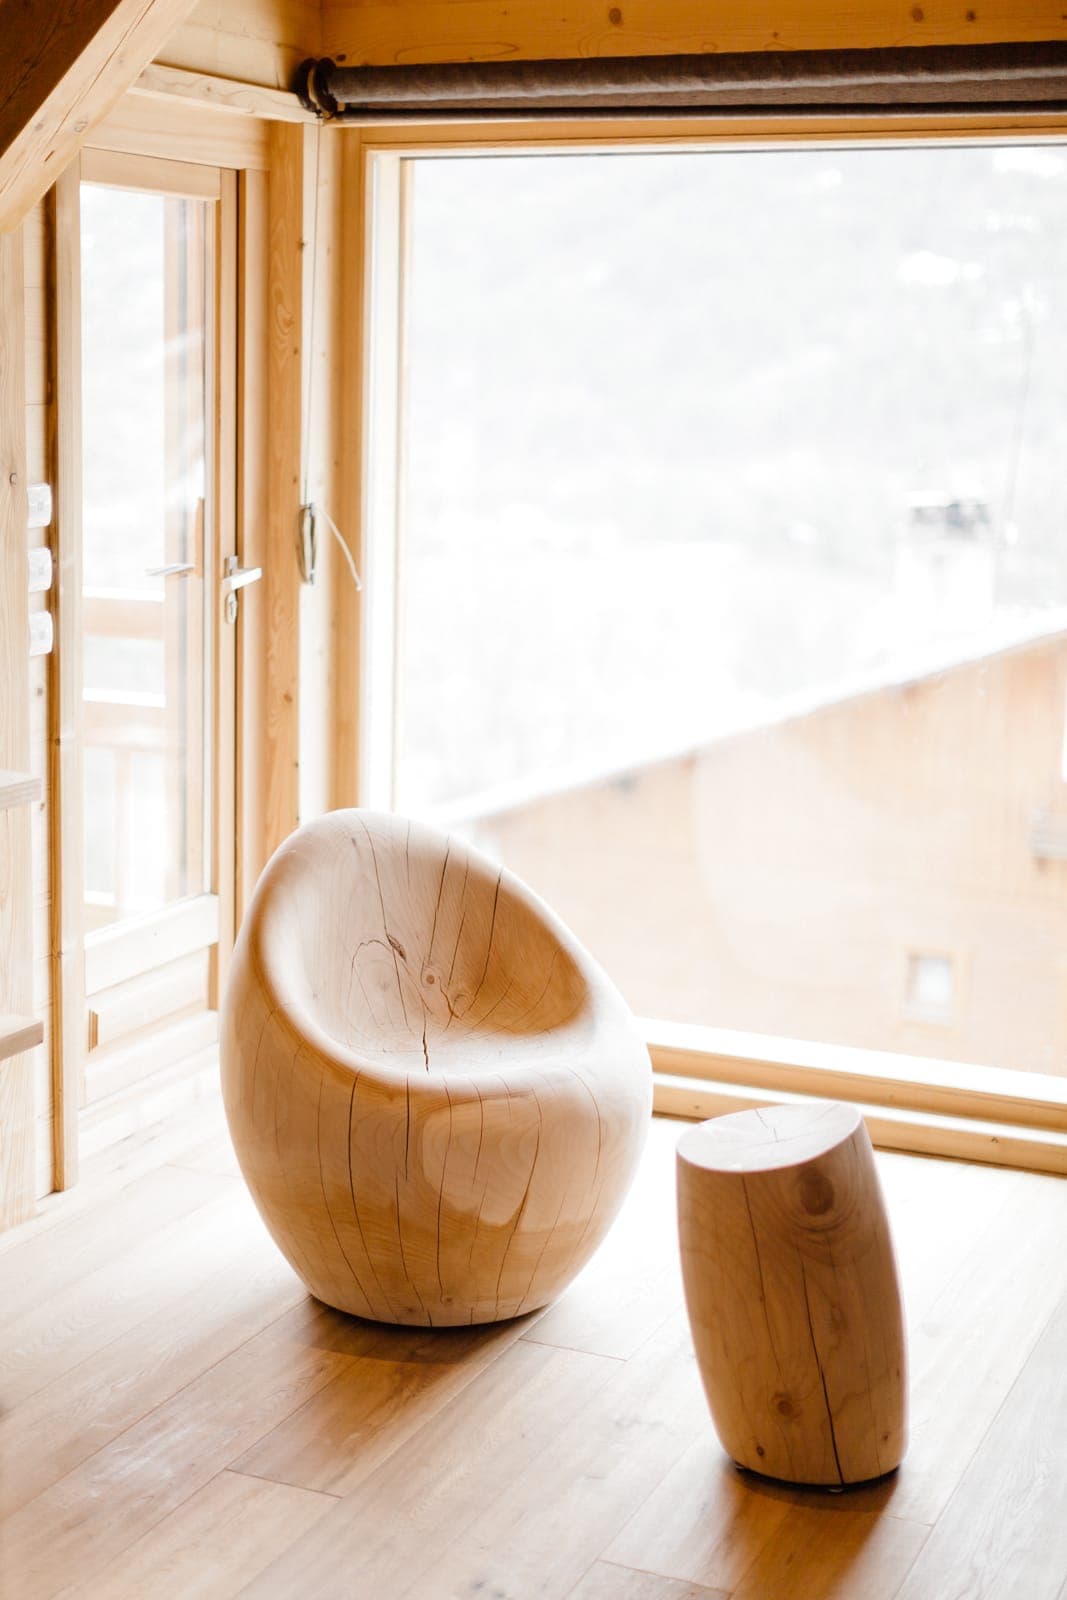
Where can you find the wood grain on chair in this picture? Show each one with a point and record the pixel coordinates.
(436, 1096)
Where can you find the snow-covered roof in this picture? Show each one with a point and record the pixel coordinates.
(1010, 633)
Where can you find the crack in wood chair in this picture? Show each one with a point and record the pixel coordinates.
(436, 1097)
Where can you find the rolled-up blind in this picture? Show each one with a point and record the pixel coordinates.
(998, 77)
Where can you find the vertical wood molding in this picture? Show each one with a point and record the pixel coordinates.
(17, 1154)
(224, 809)
(286, 273)
(66, 866)
(347, 604)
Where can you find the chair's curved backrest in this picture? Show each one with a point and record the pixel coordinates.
(436, 1096)
(400, 943)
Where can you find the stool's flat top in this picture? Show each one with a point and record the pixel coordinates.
(773, 1136)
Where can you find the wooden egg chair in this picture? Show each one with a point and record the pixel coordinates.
(436, 1097)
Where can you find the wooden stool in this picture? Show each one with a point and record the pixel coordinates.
(792, 1292)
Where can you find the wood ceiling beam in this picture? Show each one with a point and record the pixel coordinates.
(62, 68)
(385, 33)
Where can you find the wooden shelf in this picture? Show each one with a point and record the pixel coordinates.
(18, 1034)
(18, 789)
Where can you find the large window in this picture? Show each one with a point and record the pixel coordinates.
(731, 574)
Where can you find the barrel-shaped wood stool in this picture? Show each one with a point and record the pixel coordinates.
(792, 1291)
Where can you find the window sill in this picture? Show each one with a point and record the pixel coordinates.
(930, 1107)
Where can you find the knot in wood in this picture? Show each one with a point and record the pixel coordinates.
(816, 1192)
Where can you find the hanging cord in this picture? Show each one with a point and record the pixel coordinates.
(307, 549)
(320, 511)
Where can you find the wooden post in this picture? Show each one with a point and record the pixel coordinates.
(792, 1292)
(16, 937)
(66, 871)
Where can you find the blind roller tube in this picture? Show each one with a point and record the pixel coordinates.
(1025, 75)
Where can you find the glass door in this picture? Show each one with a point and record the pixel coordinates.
(158, 745)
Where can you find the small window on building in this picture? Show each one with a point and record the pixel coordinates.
(930, 988)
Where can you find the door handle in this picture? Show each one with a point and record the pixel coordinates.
(235, 577)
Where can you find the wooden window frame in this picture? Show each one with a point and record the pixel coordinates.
(911, 1103)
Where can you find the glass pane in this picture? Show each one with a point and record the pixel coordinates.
(144, 330)
(733, 578)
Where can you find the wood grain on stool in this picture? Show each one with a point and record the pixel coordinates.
(436, 1097)
(792, 1292)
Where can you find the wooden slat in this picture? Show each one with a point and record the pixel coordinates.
(182, 178)
(139, 944)
(842, 1072)
(223, 687)
(223, 94)
(144, 1001)
(18, 789)
(17, 1111)
(252, 500)
(61, 70)
(130, 1066)
(963, 1138)
(18, 1034)
(66, 724)
(182, 131)
(378, 32)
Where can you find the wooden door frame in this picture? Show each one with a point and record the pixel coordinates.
(212, 914)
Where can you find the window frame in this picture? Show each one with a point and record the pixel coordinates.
(911, 1103)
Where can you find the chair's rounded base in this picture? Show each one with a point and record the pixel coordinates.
(818, 1488)
(456, 1317)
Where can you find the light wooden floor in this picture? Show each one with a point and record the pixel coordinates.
(178, 1418)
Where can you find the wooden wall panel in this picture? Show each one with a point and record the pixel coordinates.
(254, 41)
(381, 32)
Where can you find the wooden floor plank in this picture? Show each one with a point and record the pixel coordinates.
(210, 1547)
(85, 1522)
(706, 1523)
(605, 1581)
(69, 1326)
(43, 1264)
(398, 1525)
(235, 1286)
(966, 1351)
(398, 1379)
(1003, 1535)
(829, 1550)
(559, 1509)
